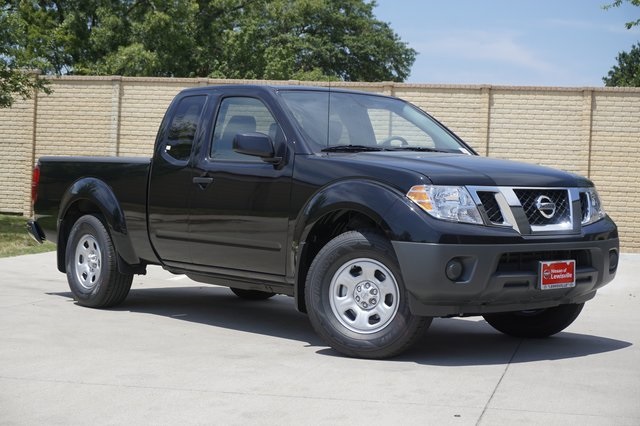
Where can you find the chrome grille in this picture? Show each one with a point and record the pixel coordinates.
(491, 207)
(529, 198)
(531, 210)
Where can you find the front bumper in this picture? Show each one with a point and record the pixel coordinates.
(500, 277)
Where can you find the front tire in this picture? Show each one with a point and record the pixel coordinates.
(356, 298)
(536, 323)
(92, 270)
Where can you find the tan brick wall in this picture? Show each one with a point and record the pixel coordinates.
(16, 136)
(615, 160)
(75, 119)
(591, 131)
(542, 127)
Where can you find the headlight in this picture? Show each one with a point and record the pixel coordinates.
(592, 209)
(452, 203)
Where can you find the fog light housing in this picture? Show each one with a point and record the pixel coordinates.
(454, 269)
(614, 258)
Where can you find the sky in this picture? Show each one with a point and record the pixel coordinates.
(511, 42)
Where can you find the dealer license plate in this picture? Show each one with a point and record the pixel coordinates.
(557, 274)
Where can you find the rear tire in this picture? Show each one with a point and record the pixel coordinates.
(536, 323)
(252, 294)
(356, 299)
(92, 270)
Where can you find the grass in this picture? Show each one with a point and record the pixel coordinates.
(14, 239)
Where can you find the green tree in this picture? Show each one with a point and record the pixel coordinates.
(339, 39)
(618, 3)
(272, 39)
(627, 72)
(15, 81)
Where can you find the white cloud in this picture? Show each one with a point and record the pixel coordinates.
(502, 47)
(577, 24)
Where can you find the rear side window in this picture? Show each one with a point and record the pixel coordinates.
(183, 127)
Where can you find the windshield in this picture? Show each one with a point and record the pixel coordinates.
(336, 121)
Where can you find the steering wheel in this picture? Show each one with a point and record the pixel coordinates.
(387, 141)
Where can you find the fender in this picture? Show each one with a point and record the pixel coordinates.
(388, 207)
(385, 205)
(99, 194)
(369, 197)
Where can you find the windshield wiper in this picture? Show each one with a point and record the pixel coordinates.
(420, 148)
(351, 148)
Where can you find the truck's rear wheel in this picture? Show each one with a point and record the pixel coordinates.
(92, 270)
(535, 323)
(356, 298)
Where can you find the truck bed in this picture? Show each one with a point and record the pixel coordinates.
(125, 176)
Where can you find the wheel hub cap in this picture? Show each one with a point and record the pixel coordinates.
(88, 261)
(366, 295)
(93, 260)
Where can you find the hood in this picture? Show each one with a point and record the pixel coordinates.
(460, 169)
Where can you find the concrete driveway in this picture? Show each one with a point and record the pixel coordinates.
(177, 352)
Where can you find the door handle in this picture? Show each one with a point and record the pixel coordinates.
(202, 181)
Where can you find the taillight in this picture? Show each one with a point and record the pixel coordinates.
(35, 180)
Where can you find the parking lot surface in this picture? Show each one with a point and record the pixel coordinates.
(178, 352)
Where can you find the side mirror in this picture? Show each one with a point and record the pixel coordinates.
(255, 144)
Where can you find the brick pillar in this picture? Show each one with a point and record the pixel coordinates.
(486, 94)
(587, 123)
(116, 111)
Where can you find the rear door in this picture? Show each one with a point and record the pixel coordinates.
(240, 213)
(171, 179)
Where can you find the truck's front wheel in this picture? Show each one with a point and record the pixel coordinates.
(92, 270)
(535, 323)
(356, 298)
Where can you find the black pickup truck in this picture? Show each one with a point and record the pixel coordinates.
(371, 214)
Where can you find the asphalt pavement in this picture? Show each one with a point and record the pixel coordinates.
(178, 352)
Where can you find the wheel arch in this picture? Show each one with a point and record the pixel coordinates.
(93, 196)
(337, 208)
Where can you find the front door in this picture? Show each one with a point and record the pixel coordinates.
(239, 214)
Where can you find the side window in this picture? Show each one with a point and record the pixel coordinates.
(183, 126)
(242, 115)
